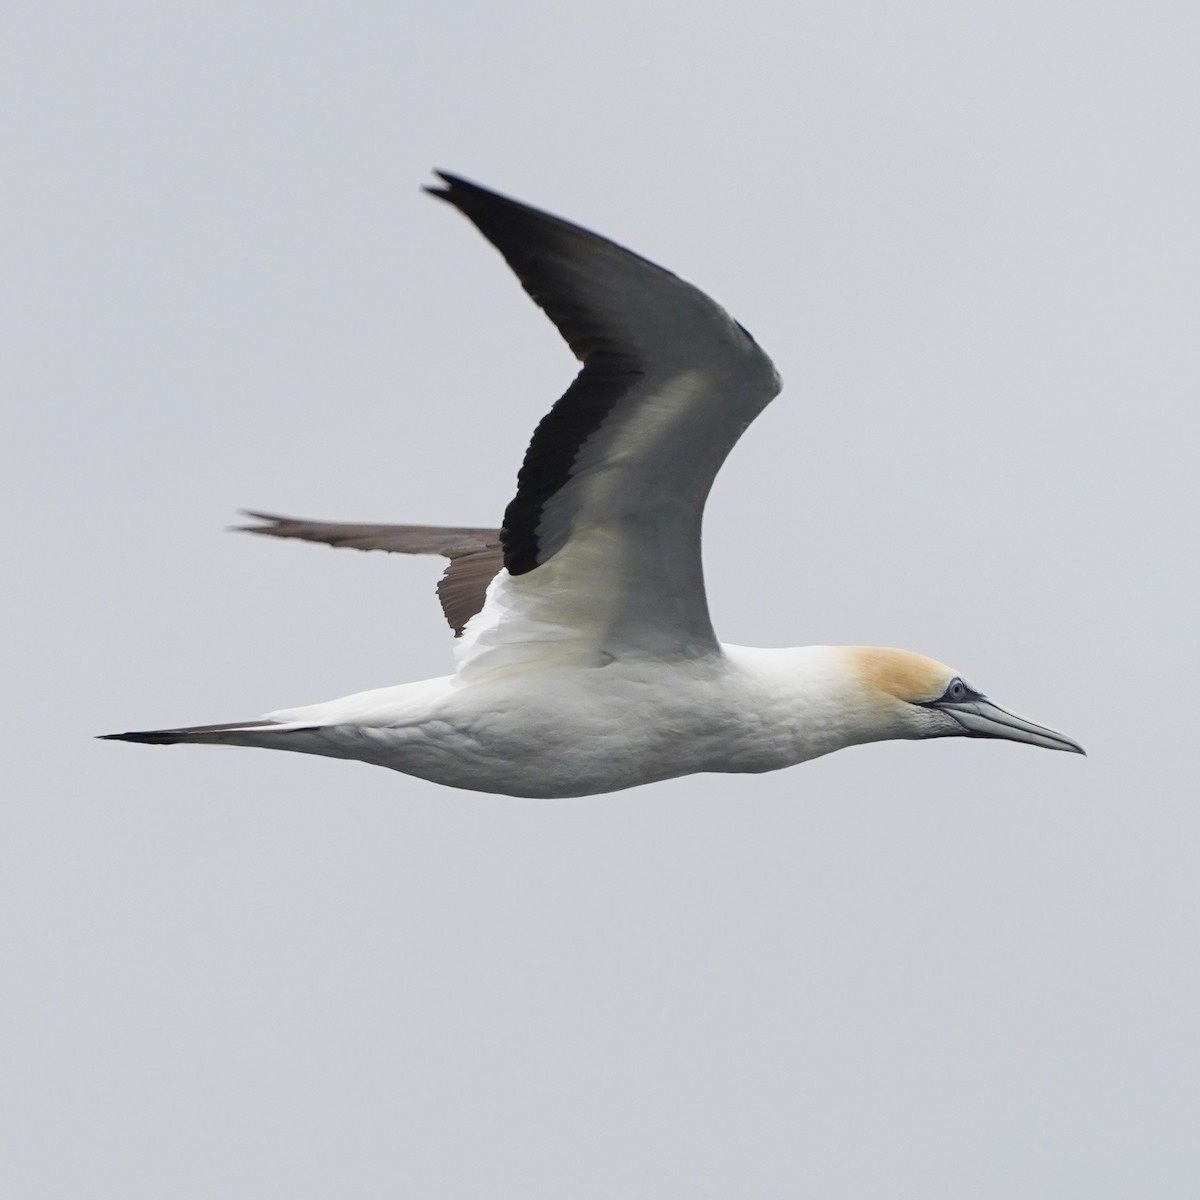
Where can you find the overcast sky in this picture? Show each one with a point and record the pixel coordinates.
(968, 236)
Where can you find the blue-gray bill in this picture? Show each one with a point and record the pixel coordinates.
(982, 718)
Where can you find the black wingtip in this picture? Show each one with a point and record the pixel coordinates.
(471, 198)
(450, 183)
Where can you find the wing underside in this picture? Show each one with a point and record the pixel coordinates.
(613, 486)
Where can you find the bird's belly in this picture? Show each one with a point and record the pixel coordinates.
(549, 760)
(535, 737)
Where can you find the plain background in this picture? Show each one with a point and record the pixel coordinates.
(967, 233)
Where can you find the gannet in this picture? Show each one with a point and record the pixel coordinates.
(585, 659)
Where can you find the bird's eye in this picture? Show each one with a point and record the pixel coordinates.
(957, 690)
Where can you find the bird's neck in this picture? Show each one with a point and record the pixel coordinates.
(806, 701)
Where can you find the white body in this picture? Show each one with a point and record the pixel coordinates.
(560, 731)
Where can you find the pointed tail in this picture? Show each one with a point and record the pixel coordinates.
(232, 733)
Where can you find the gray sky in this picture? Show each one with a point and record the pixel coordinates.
(967, 234)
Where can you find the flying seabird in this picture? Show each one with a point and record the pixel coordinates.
(586, 661)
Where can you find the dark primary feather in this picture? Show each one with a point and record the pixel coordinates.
(475, 555)
(621, 315)
(546, 254)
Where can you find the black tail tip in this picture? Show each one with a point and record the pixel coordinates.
(149, 737)
(187, 733)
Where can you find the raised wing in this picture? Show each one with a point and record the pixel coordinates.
(475, 555)
(602, 540)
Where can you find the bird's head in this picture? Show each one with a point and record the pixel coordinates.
(921, 698)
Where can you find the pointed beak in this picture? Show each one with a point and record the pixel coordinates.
(982, 718)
